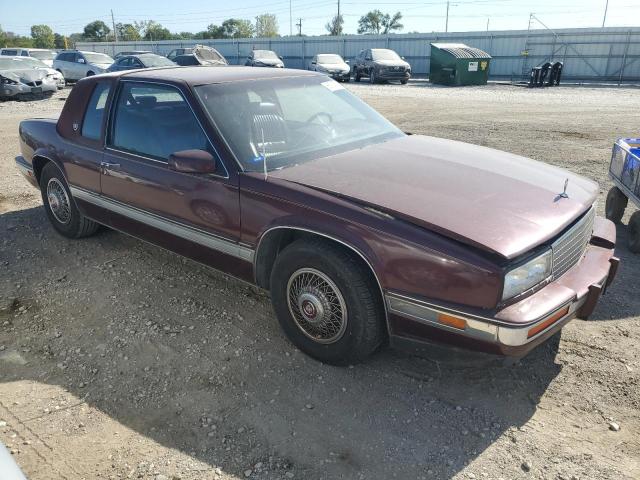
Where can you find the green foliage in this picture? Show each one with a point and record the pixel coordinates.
(376, 22)
(155, 31)
(58, 41)
(42, 36)
(127, 32)
(237, 28)
(266, 26)
(97, 31)
(335, 26)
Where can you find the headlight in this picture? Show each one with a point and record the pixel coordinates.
(8, 81)
(525, 276)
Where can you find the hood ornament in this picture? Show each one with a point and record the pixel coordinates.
(564, 193)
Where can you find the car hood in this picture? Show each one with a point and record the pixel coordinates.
(103, 66)
(493, 200)
(26, 75)
(391, 63)
(268, 61)
(333, 66)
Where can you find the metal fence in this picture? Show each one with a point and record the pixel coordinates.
(610, 54)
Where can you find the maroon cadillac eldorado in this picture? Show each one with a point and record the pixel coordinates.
(361, 233)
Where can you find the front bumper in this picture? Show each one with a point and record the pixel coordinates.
(11, 90)
(393, 75)
(339, 75)
(520, 327)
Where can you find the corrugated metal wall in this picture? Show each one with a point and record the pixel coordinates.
(609, 54)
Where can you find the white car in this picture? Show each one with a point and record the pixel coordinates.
(331, 64)
(32, 62)
(44, 55)
(20, 80)
(74, 64)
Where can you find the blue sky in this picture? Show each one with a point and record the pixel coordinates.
(69, 16)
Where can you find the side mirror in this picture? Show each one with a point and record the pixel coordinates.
(81, 60)
(402, 58)
(348, 62)
(313, 63)
(280, 57)
(192, 161)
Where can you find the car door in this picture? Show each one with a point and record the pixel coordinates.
(135, 63)
(149, 122)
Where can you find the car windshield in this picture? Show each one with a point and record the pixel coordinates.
(266, 54)
(155, 61)
(330, 59)
(286, 121)
(20, 63)
(97, 57)
(210, 55)
(384, 55)
(43, 54)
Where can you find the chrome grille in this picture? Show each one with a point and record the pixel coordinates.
(569, 248)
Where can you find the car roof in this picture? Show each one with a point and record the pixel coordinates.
(204, 74)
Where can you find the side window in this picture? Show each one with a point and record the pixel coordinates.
(136, 63)
(155, 121)
(92, 123)
(124, 62)
(172, 54)
(10, 52)
(25, 53)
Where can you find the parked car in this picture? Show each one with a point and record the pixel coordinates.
(44, 55)
(74, 64)
(332, 65)
(200, 55)
(264, 58)
(130, 52)
(20, 79)
(381, 65)
(34, 63)
(179, 51)
(360, 232)
(144, 60)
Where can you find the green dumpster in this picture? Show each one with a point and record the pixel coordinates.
(458, 64)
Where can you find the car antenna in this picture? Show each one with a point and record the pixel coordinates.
(264, 157)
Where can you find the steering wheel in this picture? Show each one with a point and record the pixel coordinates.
(321, 114)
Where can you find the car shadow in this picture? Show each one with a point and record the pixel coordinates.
(196, 362)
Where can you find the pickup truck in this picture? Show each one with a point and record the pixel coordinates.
(361, 234)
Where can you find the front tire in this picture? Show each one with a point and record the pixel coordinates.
(327, 302)
(356, 75)
(60, 207)
(633, 232)
(372, 76)
(616, 204)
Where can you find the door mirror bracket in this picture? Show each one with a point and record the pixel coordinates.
(192, 161)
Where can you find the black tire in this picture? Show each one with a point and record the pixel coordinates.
(90, 73)
(356, 75)
(372, 76)
(404, 82)
(364, 329)
(633, 232)
(616, 204)
(77, 225)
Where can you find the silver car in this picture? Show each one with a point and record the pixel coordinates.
(45, 55)
(32, 62)
(331, 64)
(18, 80)
(74, 64)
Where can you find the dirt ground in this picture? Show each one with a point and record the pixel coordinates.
(120, 360)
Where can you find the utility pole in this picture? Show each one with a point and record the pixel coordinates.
(446, 25)
(299, 25)
(290, 20)
(113, 22)
(606, 7)
(488, 24)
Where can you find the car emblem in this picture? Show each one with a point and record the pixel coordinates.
(76, 125)
(564, 193)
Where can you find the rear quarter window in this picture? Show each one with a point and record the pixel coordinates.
(94, 115)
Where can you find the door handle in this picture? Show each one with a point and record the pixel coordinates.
(106, 166)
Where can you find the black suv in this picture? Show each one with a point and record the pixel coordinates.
(380, 65)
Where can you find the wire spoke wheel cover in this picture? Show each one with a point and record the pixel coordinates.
(58, 200)
(317, 305)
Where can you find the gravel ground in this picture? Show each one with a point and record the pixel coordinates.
(121, 360)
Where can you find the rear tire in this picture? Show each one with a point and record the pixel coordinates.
(327, 302)
(616, 204)
(356, 75)
(60, 206)
(372, 76)
(633, 232)
(404, 82)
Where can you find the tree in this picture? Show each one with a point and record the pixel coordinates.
(266, 26)
(155, 31)
(97, 31)
(335, 26)
(59, 41)
(42, 36)
(392, 23)
(376, 22)
(236, 28)
(185, 36)
(127, 32)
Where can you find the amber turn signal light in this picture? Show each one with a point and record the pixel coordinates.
(451, 321)
(549, 321)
